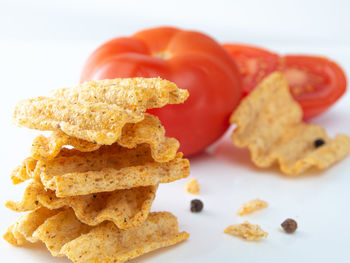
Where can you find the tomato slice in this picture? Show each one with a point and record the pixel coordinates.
(315, 82)
(254, 64)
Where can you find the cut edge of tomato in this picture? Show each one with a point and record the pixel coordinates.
(322, 95)
(251, 48)
(337, 78)
(254, 63)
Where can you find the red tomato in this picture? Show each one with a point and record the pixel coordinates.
(253, 63)
(315, 82)
(194, 62)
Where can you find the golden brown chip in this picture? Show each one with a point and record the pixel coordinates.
(58, 230)
(148, 131)
(47, 148)
(109, 168)
(97, 111)
(252, 206)
(246, 231)
(106, 243)
(54, 227)
(22, 230)
(24, 171)
(110, 179)
(98, 122)
(126, 208)
(269, 123)
(64, 234)
(136, 94)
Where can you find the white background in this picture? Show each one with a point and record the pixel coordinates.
(43, 45)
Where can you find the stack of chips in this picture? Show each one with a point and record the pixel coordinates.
(91, 201)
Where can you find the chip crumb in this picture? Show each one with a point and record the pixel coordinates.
(192, 186)
(246, 231)
(252, 206)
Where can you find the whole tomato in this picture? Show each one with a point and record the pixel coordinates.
(193, 61)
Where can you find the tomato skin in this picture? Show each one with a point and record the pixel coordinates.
(190, 59)
(315, 82)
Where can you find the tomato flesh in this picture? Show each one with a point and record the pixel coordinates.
(315, 82)
(253, 63)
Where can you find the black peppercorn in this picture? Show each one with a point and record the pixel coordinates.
(289, 225)
(319, 143)
(196, 205)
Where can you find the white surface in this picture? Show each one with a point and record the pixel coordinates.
(43, 46)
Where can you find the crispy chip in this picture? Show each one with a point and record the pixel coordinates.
(54, 227)
(97, 111)
(106, 243)
(24, 171)
(47, 148)
(136, 94)
(64, 234)
(269, 123)
(58, 230)
(148, 131)
(251, 207)
(22, 230)
(109, 168)
(100, 123)
(126, 208)
(246, 231)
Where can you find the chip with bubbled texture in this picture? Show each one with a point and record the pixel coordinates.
(269, 123)
(22, 230)
(126, 208)
(97, 111)
(64, 235)
(107, 169)
(149, 131)
(24, 171)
